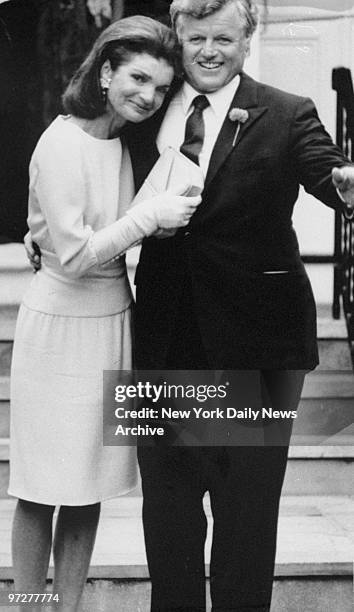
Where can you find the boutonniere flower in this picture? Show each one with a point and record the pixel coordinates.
(240, 115)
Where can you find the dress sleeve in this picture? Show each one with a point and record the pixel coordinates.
(57, 177)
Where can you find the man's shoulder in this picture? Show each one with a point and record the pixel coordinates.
(267, 94)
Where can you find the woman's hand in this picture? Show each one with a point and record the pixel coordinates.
(174, 210)
(167, 211)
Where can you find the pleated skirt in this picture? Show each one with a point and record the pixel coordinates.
(57, 455)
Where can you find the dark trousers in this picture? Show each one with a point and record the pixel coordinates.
(244, 485)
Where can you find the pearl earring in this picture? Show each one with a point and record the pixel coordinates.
(105, 83)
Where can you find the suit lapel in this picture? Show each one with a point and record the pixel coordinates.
(246, 98)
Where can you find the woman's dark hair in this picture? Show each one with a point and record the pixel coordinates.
(117, 43)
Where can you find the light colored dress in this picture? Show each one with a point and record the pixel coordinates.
(74, 322)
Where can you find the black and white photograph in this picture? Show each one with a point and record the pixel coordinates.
(177, 305)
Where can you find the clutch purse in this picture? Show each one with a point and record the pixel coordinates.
(171, 171)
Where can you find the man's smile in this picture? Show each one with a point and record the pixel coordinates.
(210, 65)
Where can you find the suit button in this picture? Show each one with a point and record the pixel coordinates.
(187, 233)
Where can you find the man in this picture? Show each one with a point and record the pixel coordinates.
(228, 292)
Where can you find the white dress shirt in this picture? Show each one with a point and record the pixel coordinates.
(172, 129)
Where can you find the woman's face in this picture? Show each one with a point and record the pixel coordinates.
(137, 87)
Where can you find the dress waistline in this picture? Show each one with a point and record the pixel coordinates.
(84, 297)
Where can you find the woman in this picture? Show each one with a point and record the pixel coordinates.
(74, 321)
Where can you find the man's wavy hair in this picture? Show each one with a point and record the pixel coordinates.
(247, 9)
(117, 43)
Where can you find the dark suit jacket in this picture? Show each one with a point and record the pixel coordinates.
(242, 229)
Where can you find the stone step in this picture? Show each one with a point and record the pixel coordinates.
(4, 419)
(4, 388)
(15, 275)
(311, 470)
(326, 409)
(317, 422)
(320, 470)
(293, 594)
(314, 565)
(334, 353)
(320, 384)
(320, 421)
(328, 383)
(8, 316)
(5, 357)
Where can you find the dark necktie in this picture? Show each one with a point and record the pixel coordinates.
(194, 134)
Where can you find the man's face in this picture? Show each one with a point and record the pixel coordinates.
(214, 48)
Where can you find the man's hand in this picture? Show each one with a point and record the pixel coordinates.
(33, 252)
(343, 180)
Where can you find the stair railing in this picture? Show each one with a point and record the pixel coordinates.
(344, 228)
